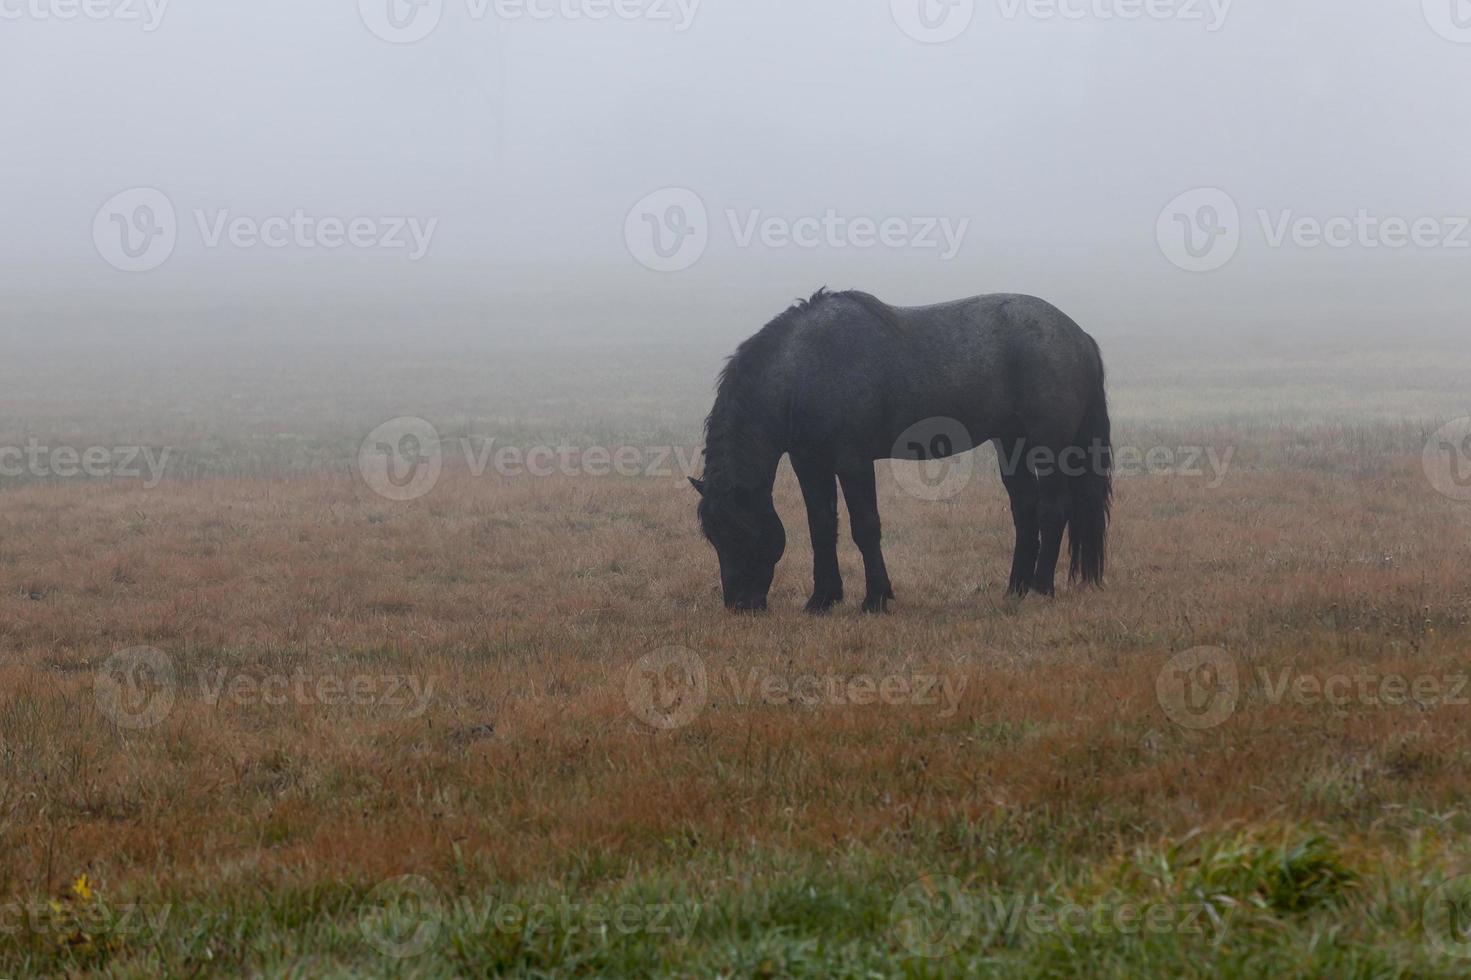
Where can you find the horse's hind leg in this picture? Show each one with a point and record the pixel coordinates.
(820, 491)
(1021, 487)
(861, 492)
(1052, 516)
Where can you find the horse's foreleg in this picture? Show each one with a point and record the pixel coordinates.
(820, 491)
(1052, 516)
(1021, 487)
(860, 491)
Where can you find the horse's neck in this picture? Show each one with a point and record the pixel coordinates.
(741, 451)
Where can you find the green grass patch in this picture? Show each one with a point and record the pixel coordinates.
(1285, 902)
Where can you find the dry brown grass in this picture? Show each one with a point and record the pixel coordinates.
(525, 602)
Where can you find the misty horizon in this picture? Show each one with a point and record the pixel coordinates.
(1051, 143)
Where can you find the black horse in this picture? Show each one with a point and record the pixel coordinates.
(843, 379)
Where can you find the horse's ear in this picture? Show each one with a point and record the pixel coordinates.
(698, 485)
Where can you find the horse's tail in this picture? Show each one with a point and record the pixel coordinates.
(1090, 492)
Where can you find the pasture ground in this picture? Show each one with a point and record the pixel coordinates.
(412, 738)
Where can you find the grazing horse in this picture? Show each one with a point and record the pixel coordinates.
(841, 380)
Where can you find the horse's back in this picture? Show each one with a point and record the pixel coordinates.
(965, 340)
(1002, 316)
(872, 370)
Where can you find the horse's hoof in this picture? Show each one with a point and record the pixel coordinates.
(877, 605)
(820, 605)
(746, 608)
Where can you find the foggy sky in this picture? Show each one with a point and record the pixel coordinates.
(528, 141)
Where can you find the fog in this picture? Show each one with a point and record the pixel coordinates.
(505, 150)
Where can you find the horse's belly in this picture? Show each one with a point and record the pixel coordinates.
(935, 437)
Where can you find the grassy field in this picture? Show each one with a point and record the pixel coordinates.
(257, 717)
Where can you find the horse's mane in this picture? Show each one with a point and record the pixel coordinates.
(729, 426)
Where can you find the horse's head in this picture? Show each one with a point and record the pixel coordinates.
(749, 540)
